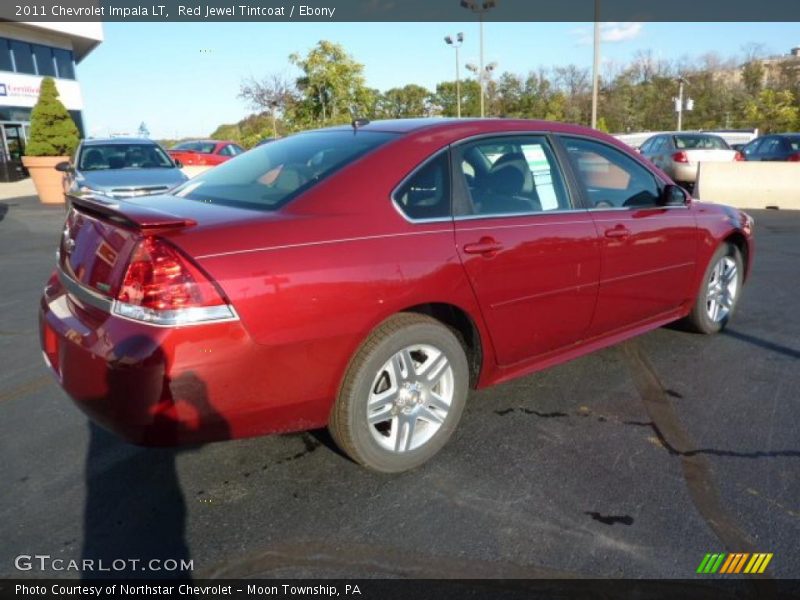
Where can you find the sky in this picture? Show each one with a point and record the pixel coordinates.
(182, 79)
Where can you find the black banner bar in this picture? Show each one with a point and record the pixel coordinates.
(402, 589)
(400, 10)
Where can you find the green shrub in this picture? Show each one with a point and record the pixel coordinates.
(53, 132)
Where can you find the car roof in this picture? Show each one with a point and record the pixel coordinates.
(117, 140)
(481, 125)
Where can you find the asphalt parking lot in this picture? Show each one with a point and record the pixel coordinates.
(632, 462)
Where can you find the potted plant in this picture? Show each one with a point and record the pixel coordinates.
(53, 139)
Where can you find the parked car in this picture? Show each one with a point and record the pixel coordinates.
(679, 154)
(365, 278)
(205, 153)
(778, 147)
(120, 168)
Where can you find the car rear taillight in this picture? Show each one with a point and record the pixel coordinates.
(794, 157)
(163, 287)
(680, 157)
(738, 157)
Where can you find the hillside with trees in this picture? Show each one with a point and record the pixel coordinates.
(637, 96)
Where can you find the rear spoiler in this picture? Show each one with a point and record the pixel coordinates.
(128, 214)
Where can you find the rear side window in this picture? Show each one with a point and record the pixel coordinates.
(426, 193)
(269, 176)
(512, 176)
(610, 178)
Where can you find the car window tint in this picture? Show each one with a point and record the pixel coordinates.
(520, 176)
(269, 176)
(201, 147)
(98, 157)
(426, 194)
(227, 151)
(794, 142)
(770, 146)
(611, 178)
(648, 145)
(700, 142)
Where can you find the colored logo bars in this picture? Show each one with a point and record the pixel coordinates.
(734, 563)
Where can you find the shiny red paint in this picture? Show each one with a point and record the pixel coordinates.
(217, 155)
(310, 281)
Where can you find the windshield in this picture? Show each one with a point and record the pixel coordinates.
(700, 142)
(199, 147)
(269, 176)
(97, 157)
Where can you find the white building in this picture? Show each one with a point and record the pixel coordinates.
(29, 52)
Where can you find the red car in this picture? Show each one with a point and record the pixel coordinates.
(365, 278)
(204, 153)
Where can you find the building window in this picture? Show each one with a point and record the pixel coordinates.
(44, 60)
(23, 58)
(36, 59)
(64, 63)
(5, 56)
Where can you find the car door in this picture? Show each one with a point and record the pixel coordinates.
(532, 256)
(770, 149)
(648, 250)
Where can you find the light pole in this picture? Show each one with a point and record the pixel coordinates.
(483, 76)
(457, 44)
(480, 8)
(679, 102)
(596, 66)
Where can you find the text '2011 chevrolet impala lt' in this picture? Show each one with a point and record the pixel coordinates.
(365, 277)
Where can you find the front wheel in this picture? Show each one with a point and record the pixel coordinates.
(403, 394)
(719, 292)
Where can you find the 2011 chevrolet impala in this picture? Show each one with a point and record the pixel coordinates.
(365, 277)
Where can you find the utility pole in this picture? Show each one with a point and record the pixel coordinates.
(680, 103)
(596, 67)
(457, 44)
(480, 8)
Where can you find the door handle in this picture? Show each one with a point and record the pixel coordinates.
(488, 246)
(618, 232)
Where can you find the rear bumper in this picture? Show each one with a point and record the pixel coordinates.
(684, 172)
(164, 386)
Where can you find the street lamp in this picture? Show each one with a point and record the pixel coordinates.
(480, 8)
(457, 44)
(483, 76)
(596, 64)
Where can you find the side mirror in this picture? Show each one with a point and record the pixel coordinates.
(64, 167)
(178, 164)
(674, 195)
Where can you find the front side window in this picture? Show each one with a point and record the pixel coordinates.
(100, 157)
(426, 194)
(514, 175)
(271, 175)
(610, 178)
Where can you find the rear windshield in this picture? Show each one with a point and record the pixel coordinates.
(98, 157)
(700, 142)
(794, 142)
(200, 147)
(269, 176)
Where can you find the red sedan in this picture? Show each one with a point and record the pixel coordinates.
(365, 278)
(204, 153)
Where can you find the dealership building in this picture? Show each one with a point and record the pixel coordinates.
(29, 52)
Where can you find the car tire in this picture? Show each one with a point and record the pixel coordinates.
(719, 292)
(390, 418)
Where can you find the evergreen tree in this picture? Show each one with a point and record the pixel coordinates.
(53, 132)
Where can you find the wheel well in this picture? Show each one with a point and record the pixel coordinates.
(737, 239)
(463, 326)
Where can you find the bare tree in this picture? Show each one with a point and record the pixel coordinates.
(274, 94)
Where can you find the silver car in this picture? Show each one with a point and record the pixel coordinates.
(121, 168)
(679, 154)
